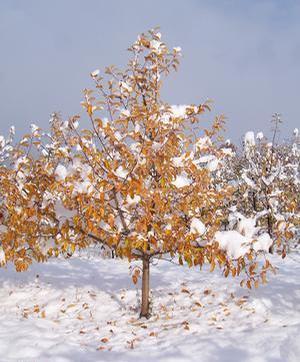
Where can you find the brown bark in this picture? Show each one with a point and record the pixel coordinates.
(145, 288)
(254, 202)
(270, 231)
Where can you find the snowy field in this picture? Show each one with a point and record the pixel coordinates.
(85, 309)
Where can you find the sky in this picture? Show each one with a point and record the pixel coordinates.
(242, 54)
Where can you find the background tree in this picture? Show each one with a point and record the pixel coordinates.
(6, 149)
(265, 179)
(34, 222)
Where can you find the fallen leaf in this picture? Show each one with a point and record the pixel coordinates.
(184, 290)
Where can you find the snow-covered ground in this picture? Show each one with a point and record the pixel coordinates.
(85, 309)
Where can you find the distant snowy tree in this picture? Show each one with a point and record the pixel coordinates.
(266, 178)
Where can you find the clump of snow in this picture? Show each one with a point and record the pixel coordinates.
(249, 139)
(178, 161)
(156, 146)
(155, 45)
(248, 181)
(249, 143)
(121, 172)
(34, 128)
(2, 141)
(259, 136)
(95, 73)
(175, 111)
(213, 165)
(61, 172)
(245, 237)
(12, 130)
(75, 124)
(131, 201)
(234, 243)
(197, 226)
(135, 147)
(177, 49)
(246, 226)
(268, 180)
(263, 242)
(182, 180)
(227, 151)
(48, 198)
(21, 161)
(2, 256)
(206, 158)
(296, 132)
(203, 143)
(125, 87)
(83, 187)
(179, 110)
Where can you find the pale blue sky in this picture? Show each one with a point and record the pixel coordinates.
(243, 54)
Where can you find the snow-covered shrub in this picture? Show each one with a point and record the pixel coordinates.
(266, 180)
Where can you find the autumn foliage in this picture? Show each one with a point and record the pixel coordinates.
(135, 181)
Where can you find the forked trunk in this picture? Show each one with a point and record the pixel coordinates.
(145, 288)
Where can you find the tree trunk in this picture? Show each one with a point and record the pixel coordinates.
(145, 288)
(270, 231)
(254, 201)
